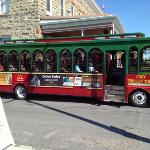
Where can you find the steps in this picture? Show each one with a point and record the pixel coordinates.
(114, 93)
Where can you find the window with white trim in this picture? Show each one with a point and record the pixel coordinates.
(4, 7)
(72, 10)
(62, 3)
(49, 7)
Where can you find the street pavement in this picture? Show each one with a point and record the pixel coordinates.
(67, 123)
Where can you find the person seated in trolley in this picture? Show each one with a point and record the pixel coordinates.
(77, 67)
(1, 67)
(91, 67)
(12, 67)
(50, 67)
(22, 67)
(35, 68)
(38, 63)
(64, 66)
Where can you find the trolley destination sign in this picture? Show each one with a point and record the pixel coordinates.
(139, 80)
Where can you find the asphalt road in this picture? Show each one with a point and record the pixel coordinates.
(66, 123)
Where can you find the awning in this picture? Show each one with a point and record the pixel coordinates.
(61, 24)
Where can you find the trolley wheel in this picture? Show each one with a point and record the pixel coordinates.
(20, 92)
(139, 98)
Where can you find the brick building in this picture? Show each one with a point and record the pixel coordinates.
(50, 18)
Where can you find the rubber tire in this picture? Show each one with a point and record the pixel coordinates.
(18, 92)
(137, 95)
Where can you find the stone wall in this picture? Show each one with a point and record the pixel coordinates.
(23, 18)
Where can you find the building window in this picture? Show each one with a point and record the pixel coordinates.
(4, 5)
(72, 10)
(62, 7)
(49, 7)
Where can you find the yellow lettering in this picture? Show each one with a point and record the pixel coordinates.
(140, 76)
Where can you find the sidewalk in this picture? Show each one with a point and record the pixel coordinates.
(21, 147)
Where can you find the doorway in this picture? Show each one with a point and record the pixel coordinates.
(115, 68)
(115, 75)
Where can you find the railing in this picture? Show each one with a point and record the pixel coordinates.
(78, 38)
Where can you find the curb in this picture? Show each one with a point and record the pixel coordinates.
(21, 147)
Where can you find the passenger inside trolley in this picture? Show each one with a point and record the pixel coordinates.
(77, 67)
(1, 67)
(80, 60)
(38, 64)
(91, 67)
(22, 67)
(64, 67)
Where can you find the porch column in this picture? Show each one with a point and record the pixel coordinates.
(112, 31)
(82, 32)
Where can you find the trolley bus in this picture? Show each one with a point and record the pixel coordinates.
(108, 68)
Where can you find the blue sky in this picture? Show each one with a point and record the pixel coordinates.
(134, 14)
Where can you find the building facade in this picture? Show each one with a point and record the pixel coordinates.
(26, 18)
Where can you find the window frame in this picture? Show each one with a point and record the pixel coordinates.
(4, 7)
(62, 7)
(49, 7)
(72, 10)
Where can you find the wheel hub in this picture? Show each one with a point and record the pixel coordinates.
(21, 92)
(139, 97)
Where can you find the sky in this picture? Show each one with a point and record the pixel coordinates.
(134, 14)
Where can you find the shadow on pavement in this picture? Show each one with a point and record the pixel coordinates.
(8, 97)
(71, 99)
(109, 128)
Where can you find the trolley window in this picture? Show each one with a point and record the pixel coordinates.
(95, 60)
(133, 60)
(80, 63)
(38, 64)
(65, 61)
(13, 61)
(3, 61)
(50, 61)
(25, 58)
(145, 59)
